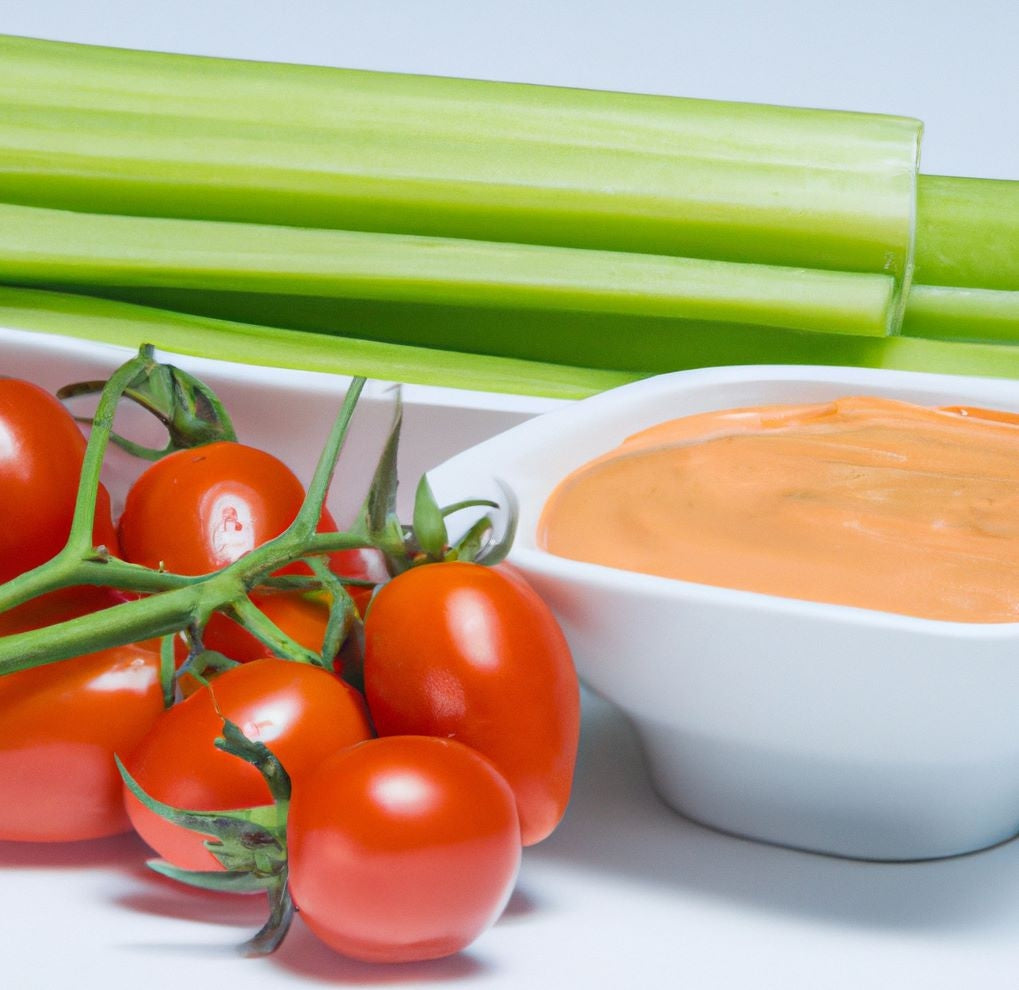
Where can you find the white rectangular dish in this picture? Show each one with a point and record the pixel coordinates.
(822, 727)
(736, 908)
(289, 412)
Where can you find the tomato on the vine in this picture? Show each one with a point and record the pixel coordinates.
(41, 453)
(403, 848)
(462, 651)
(303, 616)
(302, 714)
(61, 725)
(363, 564)
(197, 510)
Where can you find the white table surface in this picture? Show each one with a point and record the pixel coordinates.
(625, 893)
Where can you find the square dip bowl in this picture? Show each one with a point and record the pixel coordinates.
(827, 728)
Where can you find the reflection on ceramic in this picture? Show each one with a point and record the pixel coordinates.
(290, 412)
(822, 727)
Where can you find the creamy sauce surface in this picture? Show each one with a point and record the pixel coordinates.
(863, 501)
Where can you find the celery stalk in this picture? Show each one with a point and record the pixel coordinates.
(86, 318)
(263, 266)
(121, 131)
(129, 325)
(967, 233)
(960, 313)
(629, 234)
(966, 280)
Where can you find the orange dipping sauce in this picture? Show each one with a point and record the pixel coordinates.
(863, 501)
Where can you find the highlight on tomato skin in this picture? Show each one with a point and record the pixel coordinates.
(62, 724)
(403, 848)
(302, 713)
(463, 651)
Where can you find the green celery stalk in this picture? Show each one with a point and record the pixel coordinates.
(265, 267)
(966, 279)
(85, 318)
(959, 313)
(130, 326)
(967, 233)
(102, 129)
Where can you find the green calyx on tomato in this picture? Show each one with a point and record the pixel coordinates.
(249, 843)
(206, 787)
(191, 412)
(302, 713)
(426, 540)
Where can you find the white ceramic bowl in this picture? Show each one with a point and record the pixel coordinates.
(822, 727)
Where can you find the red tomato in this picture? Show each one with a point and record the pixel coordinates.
(198, 510)
(41, 452)
(61, 724)
(302, 713)
(402, 848)
(462, 651)
(302, 616)
(363, 564)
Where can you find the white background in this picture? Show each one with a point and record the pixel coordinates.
(625, 893)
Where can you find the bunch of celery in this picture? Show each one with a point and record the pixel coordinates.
(486, 235)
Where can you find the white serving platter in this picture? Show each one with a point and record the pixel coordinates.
(625, 892)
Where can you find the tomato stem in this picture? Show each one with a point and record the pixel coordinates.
(268, 633)
(191, 412)
(173, 601)
(79, 542)
(143, 618)
(342, 610)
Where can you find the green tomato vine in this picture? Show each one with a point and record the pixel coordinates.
(168, 603)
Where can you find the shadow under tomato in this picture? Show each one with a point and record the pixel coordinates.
(521, 905)
(302, 954)
(116, 851)
(160, 896)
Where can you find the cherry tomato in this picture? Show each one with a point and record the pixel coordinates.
(362, 564)
(302, 713)
(302, 616)
(41, 453)
(195, 511)
(462, 651)
(61, 724)
(402, 848)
